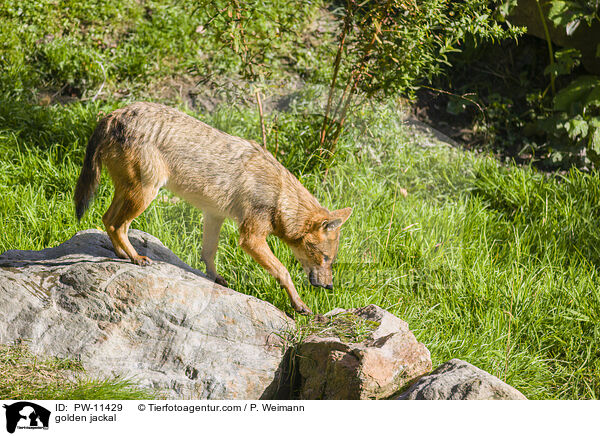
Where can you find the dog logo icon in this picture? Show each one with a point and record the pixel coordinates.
(26, 415)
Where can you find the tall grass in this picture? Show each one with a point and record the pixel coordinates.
(493, 264)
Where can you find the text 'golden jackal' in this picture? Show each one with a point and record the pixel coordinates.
(146, 146)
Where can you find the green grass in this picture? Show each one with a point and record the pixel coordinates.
(61, 49)
(25, 376)
(488, 263)
(347, 327)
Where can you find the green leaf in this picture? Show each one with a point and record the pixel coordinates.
(506, 7)
(565, 60)
(565, 14)
(577, 127)
(559, 13)
(577, 316)
(593, 98)
(579, 93)
(569, 56)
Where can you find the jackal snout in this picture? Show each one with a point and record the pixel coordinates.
(317, 250)
(321, 278)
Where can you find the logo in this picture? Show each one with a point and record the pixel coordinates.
(24, 414)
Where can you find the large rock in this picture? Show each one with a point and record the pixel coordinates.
(364, 353)
(164, 325)
(459, 380)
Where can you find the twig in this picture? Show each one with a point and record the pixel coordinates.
(219, 12)
(360, 71)
(262, 121)
(101, 86)
(276, 137)
(336, 68)
(387, 239)
(549, 43)
(59, 91)
(459, 96)
(510, 318)
(246, 52)
(344, 96)
(325, 176)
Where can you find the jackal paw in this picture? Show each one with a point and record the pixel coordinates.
(219, 280)
(142, 260)
(302, 308)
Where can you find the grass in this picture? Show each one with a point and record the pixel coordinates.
(27, 377)
(347, 327)
(494, 264)
(63, 49)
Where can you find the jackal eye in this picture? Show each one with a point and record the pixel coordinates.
(326, 258)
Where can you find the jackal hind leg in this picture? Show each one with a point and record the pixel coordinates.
(115, 206)
(211, 228)
(126, 206)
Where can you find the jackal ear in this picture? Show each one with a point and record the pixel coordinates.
(337, 218)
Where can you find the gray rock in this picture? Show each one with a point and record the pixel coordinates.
(459, 380)
(164, 325)
(374, 367)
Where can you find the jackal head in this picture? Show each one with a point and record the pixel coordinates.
(317, 249)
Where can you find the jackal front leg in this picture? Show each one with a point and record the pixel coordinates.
(257, 247)
(211, 228)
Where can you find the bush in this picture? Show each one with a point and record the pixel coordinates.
(391, 47)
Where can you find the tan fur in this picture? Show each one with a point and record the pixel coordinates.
(146, 146)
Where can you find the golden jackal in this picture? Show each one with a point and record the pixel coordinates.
(146, 146)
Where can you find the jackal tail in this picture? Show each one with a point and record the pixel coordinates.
(89, 179)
